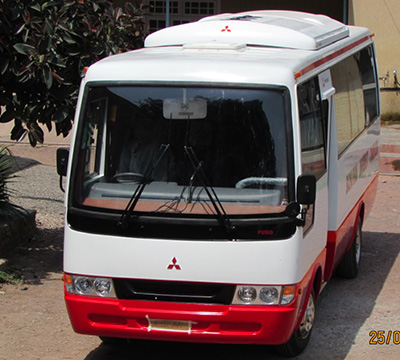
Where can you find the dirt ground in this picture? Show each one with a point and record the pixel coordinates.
(34, 323)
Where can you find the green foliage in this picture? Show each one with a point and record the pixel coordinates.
(6, 163)
(7, 278)
(44, 47)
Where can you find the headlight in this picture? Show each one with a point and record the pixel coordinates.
(247, 294)
(83, 285)
(103, 287)
(269, 295)
(89, 286)
(264, 295)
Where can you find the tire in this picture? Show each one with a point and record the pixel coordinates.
(350, 264)
(300, 338)
(112, 341)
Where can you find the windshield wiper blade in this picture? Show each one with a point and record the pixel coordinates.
(223, 218)
(190, 196)
(126, 215)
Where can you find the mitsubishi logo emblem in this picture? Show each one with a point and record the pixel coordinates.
(173, 265)
(226, 28)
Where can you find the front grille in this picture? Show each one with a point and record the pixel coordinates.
(180, 292)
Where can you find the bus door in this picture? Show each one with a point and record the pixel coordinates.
(315, 110)
(333, 183)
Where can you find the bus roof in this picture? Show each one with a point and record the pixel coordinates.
(286, 29)
(199, 56)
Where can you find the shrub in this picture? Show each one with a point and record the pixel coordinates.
(44, 47)
(6, 163)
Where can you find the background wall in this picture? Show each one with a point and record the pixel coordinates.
(333, 8)
(382, 17)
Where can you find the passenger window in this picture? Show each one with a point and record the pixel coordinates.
(313, 127)
(356, 97)
(349, 101)
(366, 65)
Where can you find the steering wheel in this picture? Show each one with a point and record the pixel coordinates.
(259, 181)
(127, 177)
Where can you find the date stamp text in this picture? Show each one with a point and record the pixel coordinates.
(382, 337)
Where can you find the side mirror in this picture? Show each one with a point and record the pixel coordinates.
(306, 189)
(62, 163)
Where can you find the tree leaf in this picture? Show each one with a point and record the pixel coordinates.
(49, 126)
(26, 16)
(20, 29)
(18, 133)
(4, 65)
(35, 134)
(58, 62)
(47, 76)
(7, 116)
(35, 6)
(68, 38)
(24, 49)
(44, 46)
(32, 139)
(118, 13)
(61, 114)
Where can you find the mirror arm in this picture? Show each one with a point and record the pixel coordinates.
(61, 184)
(302, 221)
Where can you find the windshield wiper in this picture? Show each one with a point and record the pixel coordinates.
(190, 196)
(223, 218)
(126, 215)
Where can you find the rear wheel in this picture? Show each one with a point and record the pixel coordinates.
(350, 264)
(300, 338)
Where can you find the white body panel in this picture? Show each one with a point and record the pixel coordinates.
(287, 29)
(278, 262)
(356, 168)
(196, 65)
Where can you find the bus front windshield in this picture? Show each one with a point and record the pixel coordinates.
(179, 142)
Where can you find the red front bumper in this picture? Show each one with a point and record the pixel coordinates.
(208, 323)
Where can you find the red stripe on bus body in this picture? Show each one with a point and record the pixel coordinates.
(330, 57)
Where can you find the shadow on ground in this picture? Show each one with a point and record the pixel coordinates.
(19, 163)
(34, 260)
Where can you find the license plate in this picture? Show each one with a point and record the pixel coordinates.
(169, 325)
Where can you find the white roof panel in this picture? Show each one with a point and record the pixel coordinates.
(285, 29)
(176, 64)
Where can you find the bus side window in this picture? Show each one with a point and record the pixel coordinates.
(313, 127)
(366, 65)
(356, 97)
(93, 137)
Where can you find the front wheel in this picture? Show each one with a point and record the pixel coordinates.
(350, 264)
(300, 338)
(112, 341)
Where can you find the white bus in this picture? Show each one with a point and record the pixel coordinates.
(218, 177)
